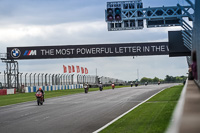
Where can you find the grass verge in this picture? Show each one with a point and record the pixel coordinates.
(151, 117)
(25, 97)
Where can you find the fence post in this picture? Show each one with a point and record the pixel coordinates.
(25, 79)
(30, 78)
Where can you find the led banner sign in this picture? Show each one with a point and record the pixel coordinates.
(81, 51)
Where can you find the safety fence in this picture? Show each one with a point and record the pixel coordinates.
(30, 89)
(46, 79)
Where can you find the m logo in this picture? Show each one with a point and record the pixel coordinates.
(30, 52)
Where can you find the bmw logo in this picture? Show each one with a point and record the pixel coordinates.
(15, 53)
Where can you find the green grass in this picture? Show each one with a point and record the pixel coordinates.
(25, 97)
(151, 117)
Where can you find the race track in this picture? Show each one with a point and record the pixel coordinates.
(79, 113)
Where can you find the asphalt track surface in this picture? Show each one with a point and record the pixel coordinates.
(79, 113)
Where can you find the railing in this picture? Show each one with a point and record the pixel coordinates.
(46, 79)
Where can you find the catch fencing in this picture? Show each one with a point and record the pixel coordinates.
(47, 79)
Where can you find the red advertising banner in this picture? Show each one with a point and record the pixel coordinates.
(69, 69)
(64, 68)
(86, 71)
(73, 69)
(82, 70)
(77, 69)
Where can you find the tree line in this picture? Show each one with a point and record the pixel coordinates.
(167, 79)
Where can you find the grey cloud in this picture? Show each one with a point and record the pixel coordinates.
(46, 12)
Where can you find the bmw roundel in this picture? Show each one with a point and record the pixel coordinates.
(15, 53)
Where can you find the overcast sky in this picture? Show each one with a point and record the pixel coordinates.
(75, 22)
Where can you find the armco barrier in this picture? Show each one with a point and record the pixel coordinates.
(3, 92)
(52, 87)
(7, 91)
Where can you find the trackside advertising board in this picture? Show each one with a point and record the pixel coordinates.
(81, 51)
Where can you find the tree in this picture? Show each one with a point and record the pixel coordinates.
(156, 79)
(145, 79)
(168, 78)
(175, 79)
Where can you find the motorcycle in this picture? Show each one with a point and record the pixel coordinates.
(86, 88)
(136, 84)
(100, 88)
(40, 98)
(131, 85)
(113, 86)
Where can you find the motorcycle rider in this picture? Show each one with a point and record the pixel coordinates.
(40, 89)
(113, 85)
(136, 84)
(100, 86)
(131, 84)
(86, 87)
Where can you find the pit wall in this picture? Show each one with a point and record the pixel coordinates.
(53, 87)
(7, 91)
